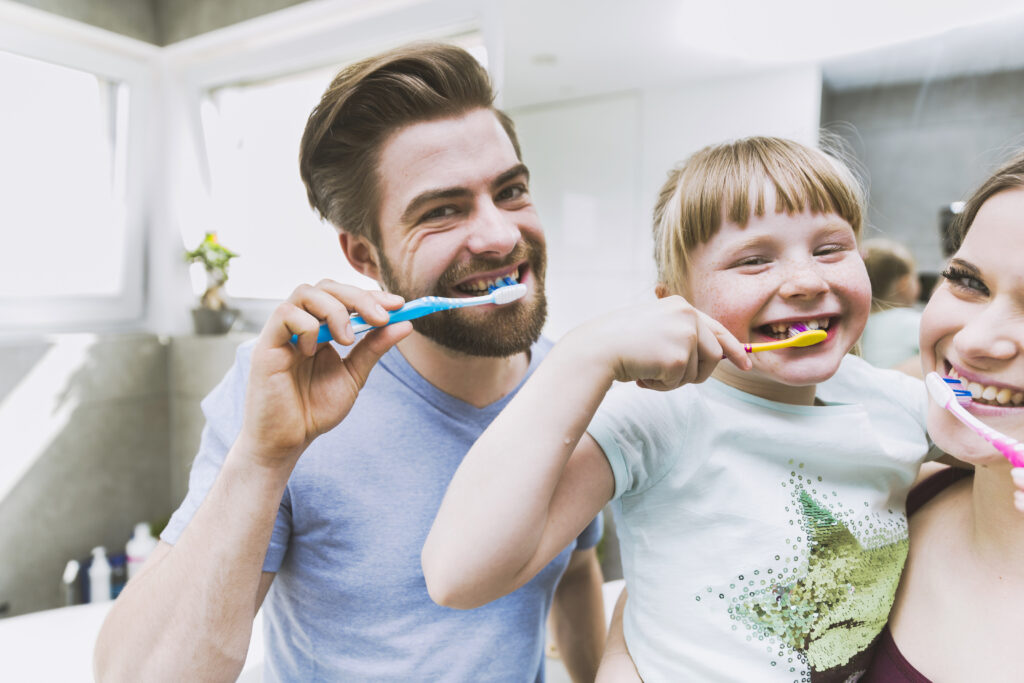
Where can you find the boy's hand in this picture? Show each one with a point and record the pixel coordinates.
(298, 391)
(665, 344)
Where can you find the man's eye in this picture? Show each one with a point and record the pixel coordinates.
(512, 192)
(439, 212)
(961, 279)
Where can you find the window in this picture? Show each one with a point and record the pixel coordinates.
(71, 173)
(258, 203)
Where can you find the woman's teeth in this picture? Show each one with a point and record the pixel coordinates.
(996, 396)
(485, 286)
(784, 330)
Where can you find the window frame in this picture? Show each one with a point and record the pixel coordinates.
(39, 35)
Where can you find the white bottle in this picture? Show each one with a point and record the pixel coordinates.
(99, 576)
(138, 548)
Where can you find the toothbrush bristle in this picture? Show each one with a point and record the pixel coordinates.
(508, 294)
(963, 395)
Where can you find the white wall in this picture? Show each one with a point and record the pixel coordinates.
(597, 165)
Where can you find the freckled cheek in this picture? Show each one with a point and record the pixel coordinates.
(735, 311)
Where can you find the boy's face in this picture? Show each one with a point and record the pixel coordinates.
(456, 214)
(973, 328)
(778, 271)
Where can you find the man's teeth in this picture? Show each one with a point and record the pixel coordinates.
(783, 330)
(485, 286)
(989, 394)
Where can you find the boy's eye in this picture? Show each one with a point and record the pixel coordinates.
(827, 249)
(962, 279)
(751, 261)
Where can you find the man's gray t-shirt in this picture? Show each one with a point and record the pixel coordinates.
(349, 601)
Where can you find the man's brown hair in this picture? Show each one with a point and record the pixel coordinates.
(367, 103)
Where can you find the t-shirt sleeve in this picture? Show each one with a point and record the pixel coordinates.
(912, 395)
(223, 410)
(638, 430)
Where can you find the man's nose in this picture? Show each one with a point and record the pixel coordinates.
(492, 231)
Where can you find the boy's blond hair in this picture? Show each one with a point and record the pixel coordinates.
(729, 181)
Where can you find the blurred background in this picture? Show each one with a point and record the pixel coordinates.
(129, 129)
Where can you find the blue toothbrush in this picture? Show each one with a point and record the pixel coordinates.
(417, 308)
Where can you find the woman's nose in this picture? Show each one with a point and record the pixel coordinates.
(990, 335)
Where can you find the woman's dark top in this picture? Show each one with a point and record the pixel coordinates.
(888, 664)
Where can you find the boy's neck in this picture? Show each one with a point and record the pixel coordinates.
(476, 380)
(759, 386)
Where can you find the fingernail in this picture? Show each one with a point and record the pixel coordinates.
(1018, 475)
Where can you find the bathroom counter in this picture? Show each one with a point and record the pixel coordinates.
(57, 645)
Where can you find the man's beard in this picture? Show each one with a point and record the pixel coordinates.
(503, 330)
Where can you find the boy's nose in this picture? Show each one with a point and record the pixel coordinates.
(803, 281)
(492, 231)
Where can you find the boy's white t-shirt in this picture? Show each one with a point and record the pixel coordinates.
(761, 541)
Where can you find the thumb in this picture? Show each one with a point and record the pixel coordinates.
(369, 349)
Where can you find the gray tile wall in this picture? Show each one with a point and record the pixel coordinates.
(925, 145)
(125, 419)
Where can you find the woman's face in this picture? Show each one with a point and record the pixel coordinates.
(973, 328)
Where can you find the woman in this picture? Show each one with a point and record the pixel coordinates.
(957, 615)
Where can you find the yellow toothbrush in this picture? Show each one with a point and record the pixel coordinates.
(805, 338)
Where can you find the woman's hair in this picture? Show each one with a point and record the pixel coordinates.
(1007, 177)
(730, 181)
(368, 102)
(888, 264)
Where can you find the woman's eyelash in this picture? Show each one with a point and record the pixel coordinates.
(959, 277)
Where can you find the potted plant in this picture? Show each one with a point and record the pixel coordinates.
(213, 315)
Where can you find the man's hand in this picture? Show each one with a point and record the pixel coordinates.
(298, 391)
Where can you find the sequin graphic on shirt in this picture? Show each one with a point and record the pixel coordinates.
(823, 602)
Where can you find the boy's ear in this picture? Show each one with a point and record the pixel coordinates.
(362, 254)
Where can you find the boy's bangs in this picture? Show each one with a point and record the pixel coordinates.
(738, 182)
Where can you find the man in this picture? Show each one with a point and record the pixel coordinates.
(328, 499)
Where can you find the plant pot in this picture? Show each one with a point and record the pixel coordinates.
(209, 321)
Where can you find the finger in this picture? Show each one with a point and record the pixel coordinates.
(369, 349)
(327, 308)
(372, 305)
(732, 348)
(287, 320)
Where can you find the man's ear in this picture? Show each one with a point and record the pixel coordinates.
(362, 254)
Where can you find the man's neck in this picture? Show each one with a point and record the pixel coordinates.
(476, 380)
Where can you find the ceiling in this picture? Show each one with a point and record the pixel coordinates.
(556, 50)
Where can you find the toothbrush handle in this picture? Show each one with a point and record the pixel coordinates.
(417, 308)
(1012, 449)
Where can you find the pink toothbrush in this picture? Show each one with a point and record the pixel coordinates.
(943, 392)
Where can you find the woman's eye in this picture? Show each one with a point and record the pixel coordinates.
(962, 279)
